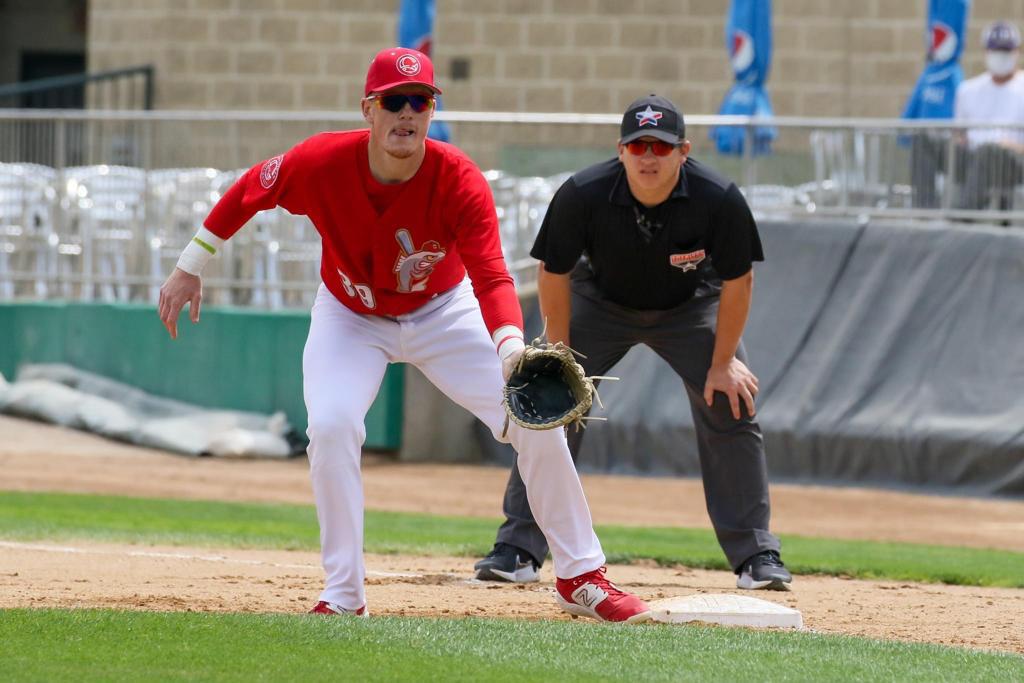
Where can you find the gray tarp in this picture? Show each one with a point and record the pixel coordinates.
(890, 354)
(75, 398)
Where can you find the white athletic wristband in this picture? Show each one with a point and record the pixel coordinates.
(508, 339)
(198, 251)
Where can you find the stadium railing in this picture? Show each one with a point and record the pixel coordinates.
(98, 204)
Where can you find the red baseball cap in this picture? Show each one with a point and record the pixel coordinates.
(398, 66)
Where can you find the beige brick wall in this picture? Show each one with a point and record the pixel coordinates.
(831, 57)
(244, 54)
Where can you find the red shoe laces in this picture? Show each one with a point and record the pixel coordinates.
(598, 578)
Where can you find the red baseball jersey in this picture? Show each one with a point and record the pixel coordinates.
(387, 249)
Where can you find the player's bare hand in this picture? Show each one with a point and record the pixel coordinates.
(736, 381)
(509, 364)
(181, 288)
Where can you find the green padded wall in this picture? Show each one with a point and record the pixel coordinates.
(234, 358)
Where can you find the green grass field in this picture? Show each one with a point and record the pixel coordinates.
(105, 645)
(102, 645)
(37, 516)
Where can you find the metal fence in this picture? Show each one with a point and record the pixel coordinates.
(130, 88)
(122, 192)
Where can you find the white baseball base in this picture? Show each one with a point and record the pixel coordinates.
(725, 609)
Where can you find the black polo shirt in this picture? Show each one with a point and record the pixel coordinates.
(649, 258)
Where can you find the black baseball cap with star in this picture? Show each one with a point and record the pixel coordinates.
(652, 116)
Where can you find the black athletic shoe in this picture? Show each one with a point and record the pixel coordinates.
(765, 571)
(507, 563)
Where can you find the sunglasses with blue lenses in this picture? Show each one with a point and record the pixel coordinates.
(395, 103)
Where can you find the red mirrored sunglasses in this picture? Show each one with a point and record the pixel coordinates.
(395, 103)
(660, 148)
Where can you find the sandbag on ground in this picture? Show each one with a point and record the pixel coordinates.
(74, 398)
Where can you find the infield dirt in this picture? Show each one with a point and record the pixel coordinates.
(36, 457)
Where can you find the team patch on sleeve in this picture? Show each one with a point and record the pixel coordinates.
(268, 174)
(688, 261)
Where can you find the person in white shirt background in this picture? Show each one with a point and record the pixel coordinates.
(994, 155)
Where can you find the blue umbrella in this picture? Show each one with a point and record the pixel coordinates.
(933, 95)
(415, 30)
(748, 37)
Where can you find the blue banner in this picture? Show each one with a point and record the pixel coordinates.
(748, 37)
(933, 95)
(416, 30)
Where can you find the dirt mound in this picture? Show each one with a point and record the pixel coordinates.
(38, 457)
(187, 579)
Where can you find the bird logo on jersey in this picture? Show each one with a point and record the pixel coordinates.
(648, 117)
(414, 266)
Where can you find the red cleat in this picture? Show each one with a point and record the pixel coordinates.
(592, 595)
(324, 607)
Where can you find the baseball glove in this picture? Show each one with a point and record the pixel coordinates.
(548, 389)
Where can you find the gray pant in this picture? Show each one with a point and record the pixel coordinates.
(992, 175)
(731, 451)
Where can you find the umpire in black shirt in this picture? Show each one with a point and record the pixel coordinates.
(655, 248)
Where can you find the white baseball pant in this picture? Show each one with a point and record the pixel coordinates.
(343, 364)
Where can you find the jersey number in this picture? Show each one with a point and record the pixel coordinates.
(364, 293)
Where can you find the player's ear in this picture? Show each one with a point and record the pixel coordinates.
(621, 148)
(684, 150)
(367, 106)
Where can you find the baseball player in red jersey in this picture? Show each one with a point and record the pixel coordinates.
(403, 219)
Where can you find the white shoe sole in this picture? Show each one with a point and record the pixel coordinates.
(349, 613)
(746, 582)
(581, 611)
(522, 575)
